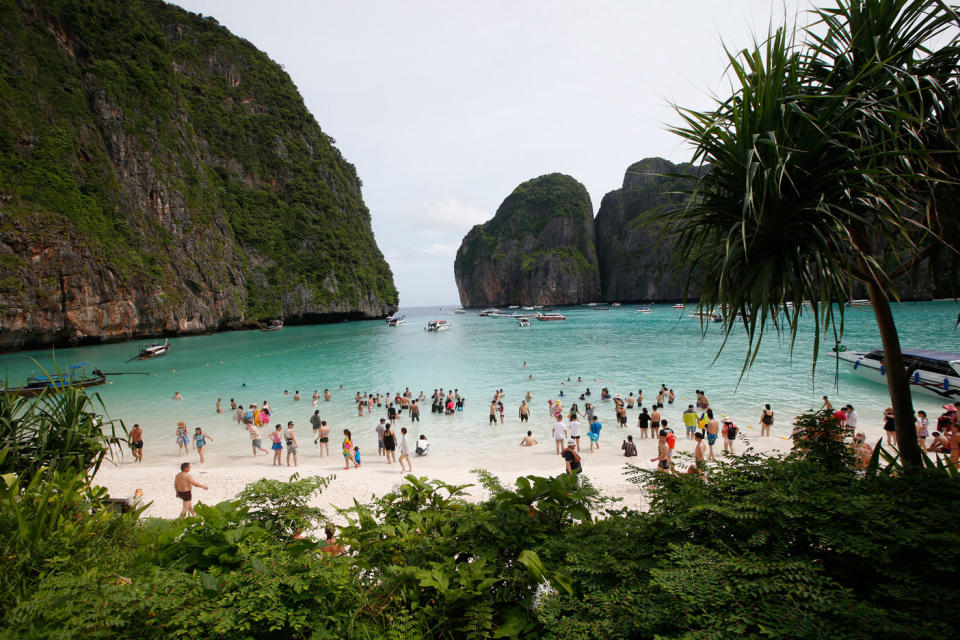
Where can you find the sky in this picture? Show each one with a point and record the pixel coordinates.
(445, 106)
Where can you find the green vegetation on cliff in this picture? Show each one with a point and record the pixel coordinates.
(138, 126)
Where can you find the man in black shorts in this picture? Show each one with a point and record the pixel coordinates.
(315, 423)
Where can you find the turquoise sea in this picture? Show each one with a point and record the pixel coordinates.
(616, 348)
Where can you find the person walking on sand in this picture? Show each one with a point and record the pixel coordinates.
(663, 452)
(404, 450)
(183, 484)
(200, 442)
(690, 420)
(766, 420)
(135, 437)
(594, 433)
(380, 428)
(572, 459)
(575, 427)
(324, 438)
(713, 430)
(700, 465)
(255, 442)
(183, 438)
(559, 435)
(729, 435)
(315, 423)
(389, 444)
(277, 445)
(291, 440)
(347, 447)
(889, 426)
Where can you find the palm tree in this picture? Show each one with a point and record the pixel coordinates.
(825, 165)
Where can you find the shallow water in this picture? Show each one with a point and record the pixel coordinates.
(617, 348)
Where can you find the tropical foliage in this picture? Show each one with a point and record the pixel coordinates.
(833, 162)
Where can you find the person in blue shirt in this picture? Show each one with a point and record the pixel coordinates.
(594, 433)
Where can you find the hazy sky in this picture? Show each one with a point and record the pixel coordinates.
(445, 106)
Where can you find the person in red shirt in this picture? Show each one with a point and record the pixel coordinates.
(671, 442)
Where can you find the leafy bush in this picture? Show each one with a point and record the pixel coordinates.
(282, 507)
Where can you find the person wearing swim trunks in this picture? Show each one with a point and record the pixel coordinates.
(663, 452)
(529, 440)
(524, 411)
(183, 483)
(136, 442)
(380, 428)
(277, 445)
(713, 430)
(389, 444)
(291, 440)
(699, 463)
(415, 410)
(594, 433)
(493, 412)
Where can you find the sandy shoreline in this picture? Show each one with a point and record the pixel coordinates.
(226, 476)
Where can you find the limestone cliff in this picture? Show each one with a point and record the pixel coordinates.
(159, 175)
(537, 249)
(634, 251)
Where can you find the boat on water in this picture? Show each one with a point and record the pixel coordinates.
(523, 322)
(437, 325)
(615, 304)
(75, 377)
(712, 316)
(153, 349)
(528, 308)
(395, 321)
(273, 325)
(679, 305)
(490, 313)
(550, 316)
(858, 302)
(514, 306)
(931, 372)
(459, 311)
(644, 310)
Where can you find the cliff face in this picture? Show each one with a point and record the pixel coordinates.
(634, 251)
(537, 249)
(159, 175)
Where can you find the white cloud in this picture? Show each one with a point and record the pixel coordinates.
(453, 215)
(441, 248)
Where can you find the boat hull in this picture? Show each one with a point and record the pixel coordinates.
(922, 382)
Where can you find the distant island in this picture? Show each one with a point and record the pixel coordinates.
(161, 176)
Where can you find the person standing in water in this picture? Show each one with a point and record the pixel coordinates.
(219, 408)
(713, 430)
(183, 438)
(766, 420)
(324, 438)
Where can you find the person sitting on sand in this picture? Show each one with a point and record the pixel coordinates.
(183, 484)
(423, 446)
(628, 447)
(862, 450)
(529, 440)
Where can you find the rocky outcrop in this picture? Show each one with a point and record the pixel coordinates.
(635, 250)
(537, 249)
(160, 176)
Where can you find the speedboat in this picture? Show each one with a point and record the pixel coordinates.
(859, 302)
(931, 372)
(523, 322)
(395, 321)
(459, 311)
(437, 325)
(275, 325)
(550, 316)
(712, 316)
(488, 313)
(679, 305)
(644, 310)
(615, 304)
(152, 350)
(75, 377)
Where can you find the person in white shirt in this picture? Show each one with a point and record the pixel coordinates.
(575, 431)
(851, 416)
(559, 435)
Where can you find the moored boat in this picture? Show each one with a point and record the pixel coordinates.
(273, 325)
(931, 372)
(550, 316)
(488, 313)
(679, 305)
(437, 325)
(395, 321)
(523, 322)
(153, 349)
(75, 377)
(644, 310)
(858, 302)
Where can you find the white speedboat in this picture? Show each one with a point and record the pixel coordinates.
(550, 316)
(931, 372)
(152, 350)
(860, 302)
(395, 321)
(437, 325)
(523, 322)
(644, 310)
(490, 313)
(679, 305)
(459, 311)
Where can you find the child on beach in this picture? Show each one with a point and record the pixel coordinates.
(200, 442)
(356, 457)
(594, 433)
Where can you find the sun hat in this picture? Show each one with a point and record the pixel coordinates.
(181, 424)
(571, 443)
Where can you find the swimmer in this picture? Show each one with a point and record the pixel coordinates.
(177, 396)
(529, 440)
(296, 395)
(219, 408)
